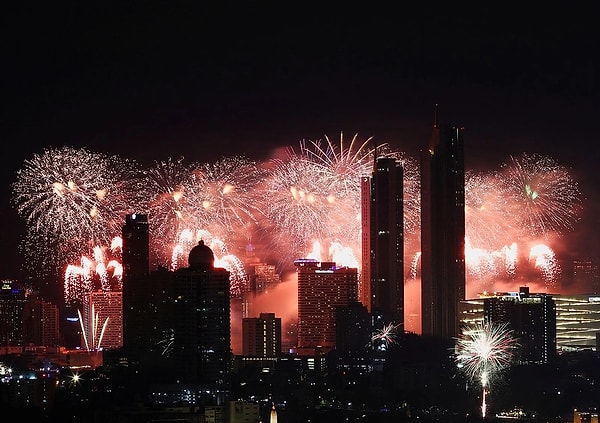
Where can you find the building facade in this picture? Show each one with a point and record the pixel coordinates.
(261, 336)
(322, 288)
(102, 320)
(136, 267)
(442, 232)
(201, 322)
(382, 286)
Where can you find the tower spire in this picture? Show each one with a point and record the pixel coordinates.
(435, 135)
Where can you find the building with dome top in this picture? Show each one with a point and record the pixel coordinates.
(201, 323)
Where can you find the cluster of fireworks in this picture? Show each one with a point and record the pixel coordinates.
(74, 200)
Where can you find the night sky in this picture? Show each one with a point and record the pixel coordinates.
(153, 80)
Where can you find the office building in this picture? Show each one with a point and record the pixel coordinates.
(577, 322)
(322, 288)
(102, 320)
(442, 232)
(261, 336)
(201, 323)
(41, 323)
(532, 320)
(12, 305)
(382, 286)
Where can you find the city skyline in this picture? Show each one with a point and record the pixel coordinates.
(153, 94)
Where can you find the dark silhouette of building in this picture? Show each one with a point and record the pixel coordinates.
(382, 288)
(42, 322)
(201, 323)
(136, 296)
(353, 335)
(532, 318)
(442, 232)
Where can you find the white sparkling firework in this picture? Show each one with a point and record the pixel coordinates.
(72, 199)
(165, 187)
(544, 259)
(483, 351)
(385, 336)
(487, 219)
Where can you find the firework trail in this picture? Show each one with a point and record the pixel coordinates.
(72, 199)
(483, 351)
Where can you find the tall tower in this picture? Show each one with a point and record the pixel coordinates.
(201, 323)
(136, 266)
(322, 288)
(442, 232)
(382, 288)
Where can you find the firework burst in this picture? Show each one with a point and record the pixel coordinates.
(386, 336)
(72, 199)
(540, 193)
(217, 197)
(487, 220)
(314, 195)
(483, 351)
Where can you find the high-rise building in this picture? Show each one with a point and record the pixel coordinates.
(201, 323)
(12, 304)
(261, 336)
(136, 266)
(42, 323)
(382, 287)
(531, 318)
(353, 335)
(322, 287)
(442, 232)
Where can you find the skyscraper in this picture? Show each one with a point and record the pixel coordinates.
(442, 232)
(382, 288)
(322, 288)
(136, 266)
(201, 322)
